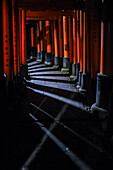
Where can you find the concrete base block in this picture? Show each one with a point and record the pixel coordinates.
(56, 61)
(80, 78)
(99, 112)
(74, 69)
(77, 69)
(92, 90)
(103, 90)
(42, 53)
(66, 62)
(23, 70)
(38, 58)
(48, 60)
(4, 87)
(61, 62)
(70, 68)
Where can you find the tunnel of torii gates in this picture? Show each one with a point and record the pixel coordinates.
(77, 38)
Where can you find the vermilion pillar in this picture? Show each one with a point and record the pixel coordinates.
(14, 38)
(104, 86)
(74, 44)
(94, 39)
(6, 41)
(48, 59)
(66, 50)
(84, 43)
(78, 44)
(70, 43)
(20, 35)
(81, 47)
(41, 25)
(1, 44)
(88, 35)
(45, 41)
(38, 43)
(52, 41)
(32, 42)
(78, 36)
(18, 44)
(84, 76)
(56, 58)
(23, 38)
(81, 40)
(60, 24)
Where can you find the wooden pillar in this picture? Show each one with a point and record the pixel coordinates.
(48, 59)
(23, 38)
(81, 40)
(6, 41)
(41, 25)
(18, 43)
(56, 58)
(84, 42)
(84, 75)
(38, 43)
(88, 35)
(104, 86)
(66, 50)
(94, 38)
(74, 44)
(60, 24)
(52, 41)
(45, 41)
(78, 36)
(70, 43)
(20, 35)
(1, 42)
(14, 23)
(32, 42)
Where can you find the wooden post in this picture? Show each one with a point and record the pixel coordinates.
(56, 58)
(48, 61)
(66, 50)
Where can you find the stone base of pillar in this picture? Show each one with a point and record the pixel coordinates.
(45, 57)
(73, 76)
(103, 90)
(4, 87)
(38, 58)
(42, 54)
(52, 59)
(92, 90)
(99, 112)
(61, 62)
(48, 59)
(74, 69)
(77, 69)
(17, 80)
(11, 89)
(70, 68)
(83, 83)
(56, 61)
(79, 79)
(66, 62)
(23, 70)
(32, 53)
